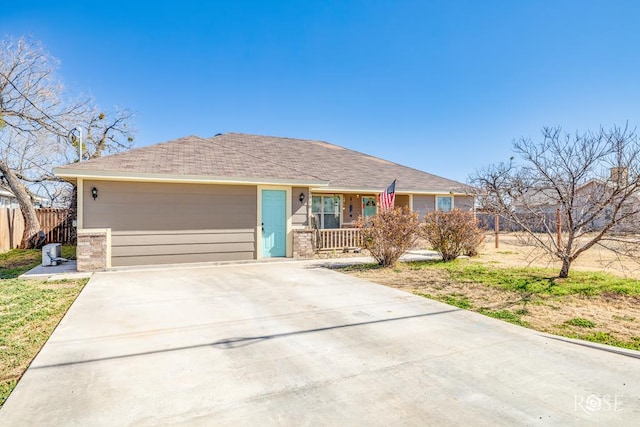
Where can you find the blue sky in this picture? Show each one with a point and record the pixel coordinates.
(442, 86)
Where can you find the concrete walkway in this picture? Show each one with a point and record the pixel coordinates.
(65, 270)
(296, 344)
(68, 270)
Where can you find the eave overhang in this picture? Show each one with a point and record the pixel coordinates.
(73, 175)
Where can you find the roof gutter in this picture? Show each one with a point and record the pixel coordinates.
(364, 190)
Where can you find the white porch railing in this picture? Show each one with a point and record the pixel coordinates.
(338, 238)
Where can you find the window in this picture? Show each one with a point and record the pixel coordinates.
(326, 211)
(444, 203)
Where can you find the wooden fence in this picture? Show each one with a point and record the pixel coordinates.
(338, 238)
(11, 228)
(56, 223)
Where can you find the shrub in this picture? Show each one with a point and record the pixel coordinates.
(389, 233)
(452, 233)
(581, 322)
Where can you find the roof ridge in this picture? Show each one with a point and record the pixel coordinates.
(273, 136)
(349, 149)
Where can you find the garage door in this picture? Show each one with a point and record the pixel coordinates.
(155, 223)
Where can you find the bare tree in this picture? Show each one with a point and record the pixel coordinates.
(591, 179)
(35, 121)
(30, 105)
(107, 133)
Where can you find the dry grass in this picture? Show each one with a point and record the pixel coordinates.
(512, 252)
(508, 283)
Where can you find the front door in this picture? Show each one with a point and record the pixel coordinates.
(368, 206)
(274, 223)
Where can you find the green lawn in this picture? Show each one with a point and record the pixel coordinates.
(18, 261)
(534, 280)
(593, 306)
(538, 281)
(29, 312)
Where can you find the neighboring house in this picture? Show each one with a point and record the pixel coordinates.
(599, 192)
(7, 198)
(238, 196)
(592, 207)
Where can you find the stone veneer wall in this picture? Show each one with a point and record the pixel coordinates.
(303, 244)
(93, 252)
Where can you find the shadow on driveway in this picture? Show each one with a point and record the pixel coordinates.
(237, 342)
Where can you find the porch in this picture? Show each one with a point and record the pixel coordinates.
(337, 239)
(334, 218)
(342, 211)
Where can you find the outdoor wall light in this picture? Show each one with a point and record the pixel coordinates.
(301, 198)
(94, 193)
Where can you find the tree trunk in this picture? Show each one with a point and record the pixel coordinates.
(31, 223)
(564, 271)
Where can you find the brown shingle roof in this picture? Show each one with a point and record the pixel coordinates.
(238, 155)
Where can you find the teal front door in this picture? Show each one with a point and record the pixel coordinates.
(368, 206)
(274, 223)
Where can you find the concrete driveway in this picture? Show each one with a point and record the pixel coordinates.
(294, 344)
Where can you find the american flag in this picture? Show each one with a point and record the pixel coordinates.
(388, 197)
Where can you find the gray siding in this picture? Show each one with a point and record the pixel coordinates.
(423, 204)
(136, 206)
(157, 223)
(162, 247)
(463, 203)
(299, 215)
(401, 200)
(427, 203)
(353, 201)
